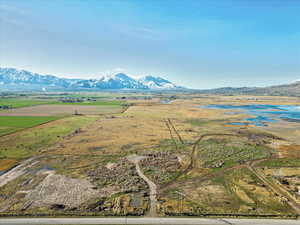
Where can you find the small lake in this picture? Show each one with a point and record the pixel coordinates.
(165, 101)
(262, 114)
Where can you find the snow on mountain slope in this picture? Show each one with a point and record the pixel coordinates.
(22, 78)
(117, 81)
(157, 83)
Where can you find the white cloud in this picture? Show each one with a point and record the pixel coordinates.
(120, 70)
(139, 32)
(13, 15)
(12, 9)
(112, 71)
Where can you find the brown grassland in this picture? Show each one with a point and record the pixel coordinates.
(199, 163)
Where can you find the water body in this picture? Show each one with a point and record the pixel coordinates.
(262, 114)
(165, 101)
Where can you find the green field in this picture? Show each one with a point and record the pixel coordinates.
(19, 102)
(26, 142)
(9, 124)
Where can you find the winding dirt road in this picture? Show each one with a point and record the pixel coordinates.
(153, 188)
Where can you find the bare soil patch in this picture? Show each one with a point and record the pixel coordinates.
(60, 190)
(16, 172)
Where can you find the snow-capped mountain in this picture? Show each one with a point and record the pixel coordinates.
(11, 76)
(157, 83)
(117, 81)
(14, 79)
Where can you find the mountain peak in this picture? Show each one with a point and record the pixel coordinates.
(119, 76)
(157, 83)
(11, 78)
(122, 76)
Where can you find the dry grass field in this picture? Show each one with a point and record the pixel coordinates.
(197, 160)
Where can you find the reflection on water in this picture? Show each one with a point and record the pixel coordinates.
(239, 123)
(165, 101)
(262, 114)
(260, 120)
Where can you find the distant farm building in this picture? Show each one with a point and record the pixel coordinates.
(71, 100)
(5, 107)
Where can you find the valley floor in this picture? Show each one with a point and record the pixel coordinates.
(156, 159)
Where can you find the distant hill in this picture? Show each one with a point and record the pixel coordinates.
(13, 79)
(292, 89)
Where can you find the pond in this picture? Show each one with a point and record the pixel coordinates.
(165, 101)
(262, 114)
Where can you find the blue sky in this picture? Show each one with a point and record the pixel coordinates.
(195, 43)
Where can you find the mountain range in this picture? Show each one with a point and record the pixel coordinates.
(21, 80)
(292, 89)
(13, 79)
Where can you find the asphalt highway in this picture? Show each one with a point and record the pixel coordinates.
(145, 221)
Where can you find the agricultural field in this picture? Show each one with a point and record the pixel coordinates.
(22, 102)
(28, 142)
(155, 158)
(10, 124)
(62, 110)
(19, 102)
(30, 111)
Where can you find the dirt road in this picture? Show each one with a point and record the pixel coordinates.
(276, 189)
(16, 171)
(153, 189)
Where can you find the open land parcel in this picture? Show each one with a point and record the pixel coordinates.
(199, 161)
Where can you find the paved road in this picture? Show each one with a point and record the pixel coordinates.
(148, 221)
